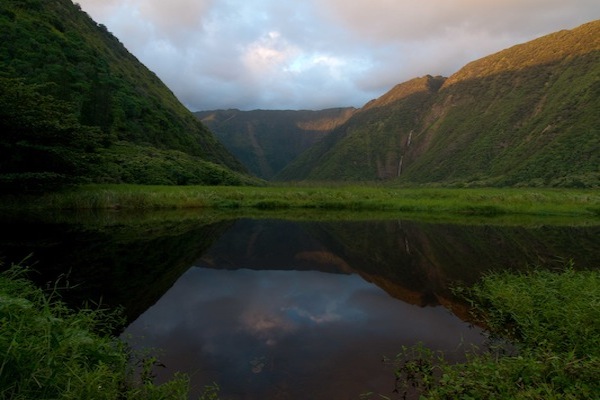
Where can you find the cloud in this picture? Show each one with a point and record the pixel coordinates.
(317, 54)
(390, 20)
(175, 15)
(269, 54)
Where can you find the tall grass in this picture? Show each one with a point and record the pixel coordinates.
(486, 202)
(552, 322)
(48, 351)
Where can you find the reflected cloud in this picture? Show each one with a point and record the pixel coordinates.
(290, 329)
(290, 306)
(296, 312)
(265, 325)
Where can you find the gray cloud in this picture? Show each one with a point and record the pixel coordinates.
(316, 54)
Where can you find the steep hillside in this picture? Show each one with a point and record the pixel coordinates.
(371, 144)
(76, 105)
(265, 141)
(527, 115)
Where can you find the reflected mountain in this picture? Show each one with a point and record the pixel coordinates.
(131, 260)
(419, 262)
(413, 261)
(116, 259)
(287, 309)
(272, 245)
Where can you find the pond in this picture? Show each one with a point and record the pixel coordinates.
(280, 309)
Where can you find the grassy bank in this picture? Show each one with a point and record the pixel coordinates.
(551, 320)
(356, 198)
(48, 351)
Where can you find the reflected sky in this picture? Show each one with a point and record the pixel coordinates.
(288, 334)
(276, 309)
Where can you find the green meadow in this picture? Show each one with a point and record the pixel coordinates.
(488, 202)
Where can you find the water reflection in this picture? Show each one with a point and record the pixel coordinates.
(288, 334)
(113, 259)
(282, 309)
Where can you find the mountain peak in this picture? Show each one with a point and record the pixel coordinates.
(424, 84)
(550, 49)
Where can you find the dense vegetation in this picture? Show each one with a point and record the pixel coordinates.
(365, 148)
(484, 202)
(526, 116)
(552, 322)
(76, 106)
(52, 352)
(265, 141)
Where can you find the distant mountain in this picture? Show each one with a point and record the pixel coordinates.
(76, 106)
(528, 115)
(265, 141)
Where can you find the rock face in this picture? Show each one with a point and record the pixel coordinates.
(527, 115)
(265, 141)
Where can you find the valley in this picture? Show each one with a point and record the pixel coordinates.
(273, 253)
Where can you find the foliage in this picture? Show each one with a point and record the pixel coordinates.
(69, 87)
(42, 142)
(489, 203)
(552, 321)
(554, 311)
(525, 116)
(265, 141)
(52, 352)
(128, 163)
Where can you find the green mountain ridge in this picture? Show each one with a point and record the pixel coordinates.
(76, 106)
(265, 141)
(525, 116)
(371, 143)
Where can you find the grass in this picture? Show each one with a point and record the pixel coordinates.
(482, 202)
(48, 351)
(552, 322)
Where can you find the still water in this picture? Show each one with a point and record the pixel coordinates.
(274, 309)
(289, 334)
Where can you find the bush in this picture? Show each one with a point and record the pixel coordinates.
(51, 352)
(548, 324)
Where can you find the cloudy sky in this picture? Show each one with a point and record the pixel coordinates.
(314, 54)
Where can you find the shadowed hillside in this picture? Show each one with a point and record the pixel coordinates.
(265, 141)
(527, 115)
(76, 106)
(371, 144)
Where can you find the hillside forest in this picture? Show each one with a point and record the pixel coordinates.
(77, 107)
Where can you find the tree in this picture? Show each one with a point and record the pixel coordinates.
(42, 144)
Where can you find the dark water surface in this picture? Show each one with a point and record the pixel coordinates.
(275, 309)
(289, 334)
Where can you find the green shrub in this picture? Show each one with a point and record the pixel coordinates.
(48, 351)
(548, 327)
